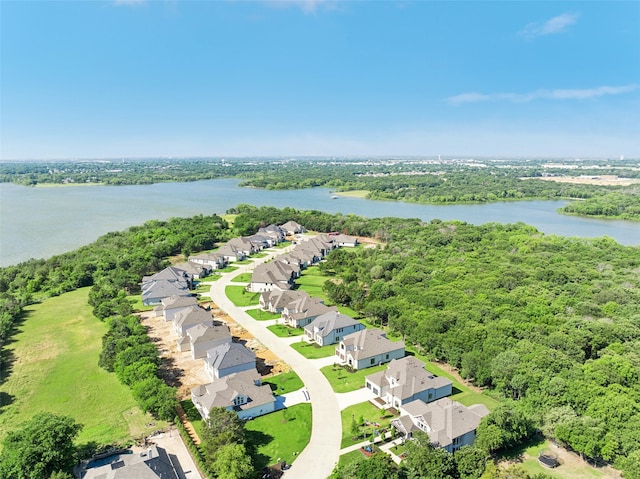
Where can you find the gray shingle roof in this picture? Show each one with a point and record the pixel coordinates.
(369, 342)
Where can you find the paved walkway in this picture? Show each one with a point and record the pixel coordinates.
(318, 459)
(354, 397)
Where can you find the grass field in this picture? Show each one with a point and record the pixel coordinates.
(313, 351)
(281, 435)
(343, 381)
(240, 297)
(283, 331)
(262, 315)
(56, 370)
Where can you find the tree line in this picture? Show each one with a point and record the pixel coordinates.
(411, 180)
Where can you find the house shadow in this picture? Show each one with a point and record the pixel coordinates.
(262, 367)
(455, 390)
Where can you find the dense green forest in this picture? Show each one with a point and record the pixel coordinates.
(411, 180)
(551, 324)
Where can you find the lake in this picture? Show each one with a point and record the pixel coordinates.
(44, 221)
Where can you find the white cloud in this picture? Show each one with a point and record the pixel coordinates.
(552, 26)
(558, 94)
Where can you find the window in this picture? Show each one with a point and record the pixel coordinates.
(373, 360)
(387, 356)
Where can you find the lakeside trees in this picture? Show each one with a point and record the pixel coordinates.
(410, 180)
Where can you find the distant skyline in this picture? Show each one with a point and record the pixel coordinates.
(173, 78)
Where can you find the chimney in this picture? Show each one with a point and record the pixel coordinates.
(150, 452)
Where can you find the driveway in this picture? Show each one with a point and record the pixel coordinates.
(318, 459)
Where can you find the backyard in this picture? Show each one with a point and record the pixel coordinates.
(343, 381)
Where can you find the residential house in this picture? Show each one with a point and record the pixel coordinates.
(231, 253)
(275, 300)
(449, 424)
(369, 347)
(406, 380)
(202, 337)
(262, 240)
(241, 392)
(171, 274)
(190, 317)
(169, 307)
(195, 270)
(275, 232)
(153, 292)
(214, 260)
(273, 275)
(227, 359)
(331, 327)
(152, 463)
(303, 310)
(244, 244)
(345, 240)
(292, 228)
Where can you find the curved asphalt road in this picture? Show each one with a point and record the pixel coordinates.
(318, 459)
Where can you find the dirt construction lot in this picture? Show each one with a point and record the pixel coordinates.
(604, 180)
(179, 369)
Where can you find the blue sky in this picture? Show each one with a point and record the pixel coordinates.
(135, 78)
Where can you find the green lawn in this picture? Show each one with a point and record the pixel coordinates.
(244, 261)
(56, 370)
(240, 297)
(368, 412)
(136, 303)
(202, 287)
(227, 269)
(242, 278)
(350, 457)
(311, 281)
(262, 315)
(313, 351)
(281, 435)
(283, 331)
(284, 383)
(343, 381)
(260, 255)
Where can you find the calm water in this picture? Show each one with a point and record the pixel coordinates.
(41, 222)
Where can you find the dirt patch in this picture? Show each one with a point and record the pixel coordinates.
(604, 180)
(573, 466)
(180, 370)
(454, 372)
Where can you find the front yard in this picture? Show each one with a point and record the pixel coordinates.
(284, 383)
(313, 351)
(280, 436)
(374, 422)
(240, 297)
(342, 381)
(262, 315)
(283, 331)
